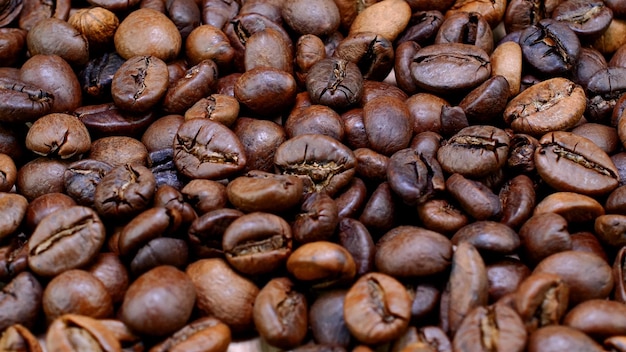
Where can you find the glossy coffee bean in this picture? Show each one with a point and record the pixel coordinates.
(558, 338)
(488, 237)
(335, 82)
(487, 327)
(550, 46)
(266, 192)
(73, 332)
(321, 264)
(140, 83)
(158, 36)
(172, 287)
(20, 301)
(326, 319)
(377, 308)
(13, 208)
(541, 300)
(125, 191)
(207, 333)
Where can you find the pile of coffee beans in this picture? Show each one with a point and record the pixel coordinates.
(313, 175)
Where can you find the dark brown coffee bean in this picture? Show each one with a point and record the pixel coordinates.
(209, 42)
(140, 83)
(20, 301)
(257, 243)
(403, 57)
(543, 235)
(324, 164)
(408, 251)
(198, 82)
(14, 40)
(605, 137)
(76, 292)
(474, 197)
(105, 120)
(441, 216)
(475, 151)
(445, 68)
(371, 165)
(217, 107)
(66, 239)
(147, 226)
(234, 306)
(487, 101)
(207, 149)
(97, 76)
(466, 28)
(377, 308)
(603, 90)
(541, 300)
(387, 124)
(59, 135)
(14, 257)
(206, 232)
(550, 46)
(176, 292)
(493, 327)
(40, 176)
(109, 269)
(574, 207)
(355, 136)
(23, 102)
(260, 138)
(555, 104)
(36, 11)
(597, 318)
(379, 213)
(326, 319)
(521, 14)
(207, 333)
(44, 205)
(321, 264)
(589, 278)
(253, 90)
(596, 17)
(160, 251)
(320, 17)
(279, 304)
(317, 220)
(73, 332)
(53, 36)
(467, 287)
(610, 229)
(571, 163)
(81, 177)
(205, 195)
(488, 237)
(268, 48)
(505, 276)
(561, 338)
(335, 82)
(371, 52)
(315, 119)
(266, 192)
(13, 208)
(522, 153)
(158, 36)
(124, 191)
(422, 27)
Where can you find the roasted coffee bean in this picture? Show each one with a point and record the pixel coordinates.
(268, 48)
(603, 136)
(552, 105)
(20, 301)
(23, 102)
(474, 151)
(66, 239)
(159, 36)
(317, 220)
(402, 252)
(518, 200)
(574, 207)
(14, 257)
(597, 318)
(53, 36)
(81, 177)
(379, 213)
(160, 251)
(466, 28)
(326, 319)
(174, 289)
(387, 19)
(588, 20)
(603, 90)
(522, 153)
(488, 237)
(279, 304)
(590, 278)
(441, 216)
(422, 27)
(261, 139)
(377, 308)
(487, 101)
(257, 243)
(505, 276)
(253, 91)
(474, 197)
(387, 124)
(207, 149)
(36, 11)
(234, 306)
(610, 229)
(589, 62)
(571, 163)
(506, 61)
(324, 164)
(44, 205)
(543, 235)
(335, 82)
(467, 286)
(403, 58)
(76, 292)
(321, 264)
(147, 226)
(217, 107)
(541, 300)
(119, 150)
(139, 83)
(521, 14)
(371, 52)
(450, 68)
(561, 338)
(207, 333)
(13, 208)
(73, 332)
(496, 327)
(59, 135)
(124, 191)
(17, 337)
(205, 195)
(266, 192)
(315, 119)
(107, 119)
(550, 46)
(198, 82)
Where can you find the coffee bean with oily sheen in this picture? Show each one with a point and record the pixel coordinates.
(561, 338)
(73, 332)
(370, 51)
(257, 243)
(13, 208)
(377, 308)
(409, 251)
(324, 164)
(206, 333)
(588, 19)
(20, 301)
(176, 295)
(489, 237)
(552, 105)
(335, 82)
(475, 151)
(281, 314)
(572, 163)
(495, 328)
(23, 102)
(387, 124)
(387, 18)
(574, 207)
(550, 46)
(318, 17)
(207, 149)
(61, 135)
(541, 300)
(66, 239)
(264, 191)
(597, 318)
(140, 83)
(322, 264)
(450, 68)
(266, 91)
